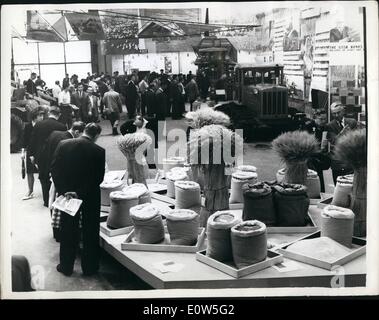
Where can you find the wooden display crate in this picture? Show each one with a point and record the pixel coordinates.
(103, 216)
(114, 232)
(230, 269)
(164, 246)
(314, 201)
(159, 187)
(323, 203)
(359, 246)
(309, 228)
(105, 209)
(163, 198)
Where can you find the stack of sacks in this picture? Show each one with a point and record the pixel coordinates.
(171, 177)
(239, 178)
(249, 243)
(148, 223)
(121, 202)
(183, 226)
(291, 204)
(107, 187)
(169, 163)
(258, 203)
(312, 182)
(343, 191)
(219, 246)
(187, 195)
(140, 191)
(338, 224)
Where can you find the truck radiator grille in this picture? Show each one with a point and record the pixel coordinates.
(274, 102)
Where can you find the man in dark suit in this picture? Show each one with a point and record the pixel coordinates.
(80, 99)
(150, 100)
(31, 87)
(132, 96)
(40, 83)
(161, 102)
(37, 148)
(66, 81)
(335, 129)
(117, 82)
(55, 137)
(78, 169)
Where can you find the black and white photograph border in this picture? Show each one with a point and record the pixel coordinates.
(177, 39)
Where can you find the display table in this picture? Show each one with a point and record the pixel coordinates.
(198, 275)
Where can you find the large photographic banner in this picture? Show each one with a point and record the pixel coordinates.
(87, 26)
(38, 27)
(120, 29)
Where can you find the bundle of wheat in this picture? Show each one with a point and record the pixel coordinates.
(351, 150)
(133, 146)
(294, 149)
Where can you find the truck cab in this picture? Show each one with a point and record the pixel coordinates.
(261, 89)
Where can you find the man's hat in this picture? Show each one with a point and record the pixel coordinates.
(336, 107)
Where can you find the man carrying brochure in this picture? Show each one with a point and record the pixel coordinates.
(77, 170)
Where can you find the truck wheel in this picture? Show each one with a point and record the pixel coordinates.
(17, 128)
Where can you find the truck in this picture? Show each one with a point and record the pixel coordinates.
(260, 101)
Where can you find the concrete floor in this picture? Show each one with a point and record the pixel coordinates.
(32, 234)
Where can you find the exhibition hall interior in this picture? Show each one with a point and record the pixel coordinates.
(194, 146)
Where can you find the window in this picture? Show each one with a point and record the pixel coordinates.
(248, 78)
(24, 53)
(80, 69)
(267, 77)
(51, 52)
(54, 59)
(52, 72)
(258, 77)
(78, 51)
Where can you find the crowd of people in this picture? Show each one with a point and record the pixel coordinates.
(61, 147)
(101, 95)
(327, 134)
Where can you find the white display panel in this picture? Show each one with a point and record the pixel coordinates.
(24, 53)
(51, 52)
(52, 72)
(80, 69)
(78, 51)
